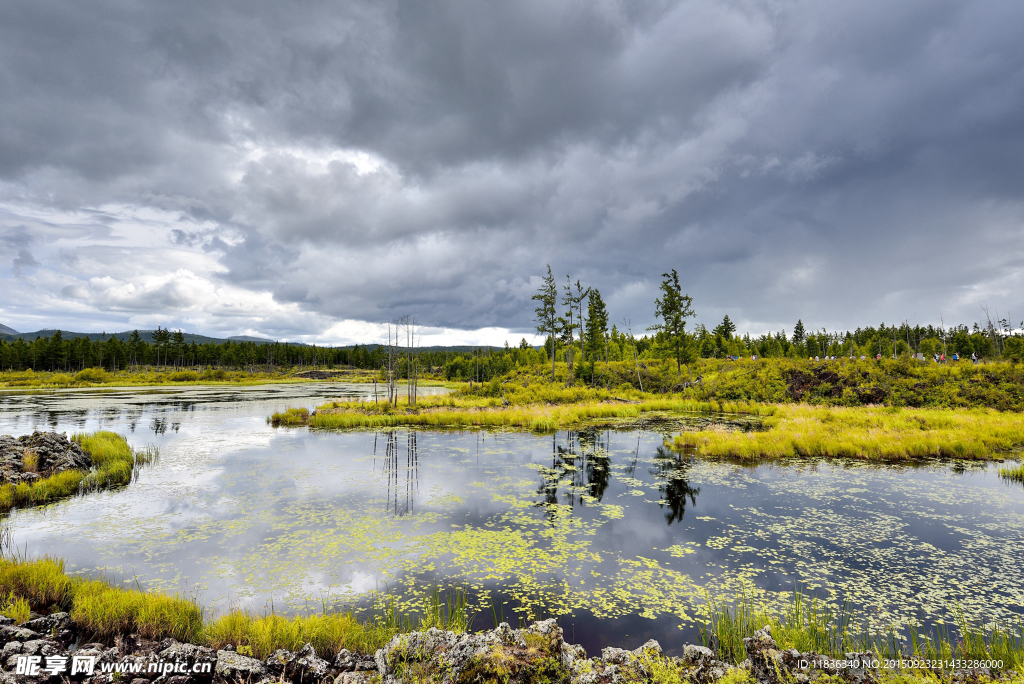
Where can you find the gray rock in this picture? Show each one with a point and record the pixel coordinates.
(278, 660)
(233, 666)
(41, 647)
(307, 666)
(11, 647)
(192, 655)
(14, 633)
(49, 624)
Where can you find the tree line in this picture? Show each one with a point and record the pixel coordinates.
(573, 321)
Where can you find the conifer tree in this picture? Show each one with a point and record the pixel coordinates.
(673, 308)
(546, 315)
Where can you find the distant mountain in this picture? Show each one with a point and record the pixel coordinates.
(145, 335)
(250, 338)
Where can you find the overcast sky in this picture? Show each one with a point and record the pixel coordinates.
(310, 170)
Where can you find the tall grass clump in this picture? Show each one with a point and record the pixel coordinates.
(331, 632)
(293, 417)
(886, 434)
(1013, 473)
(106, 611)
(98, 607)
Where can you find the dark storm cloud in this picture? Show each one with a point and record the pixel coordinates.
(843, 162)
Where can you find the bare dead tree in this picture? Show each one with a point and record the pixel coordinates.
(636, 359)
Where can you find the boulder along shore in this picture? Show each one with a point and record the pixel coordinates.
(42, 454)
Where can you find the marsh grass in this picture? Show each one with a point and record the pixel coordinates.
(536, 408)
(114, 463)
(886, 434)
(1013, 473)
(329, 632)
(98, 607)
(807, 624)
(104, 610)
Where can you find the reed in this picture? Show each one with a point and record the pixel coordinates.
(1013, 473)
(884, 434)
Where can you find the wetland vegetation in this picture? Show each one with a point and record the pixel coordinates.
(683, 482)
(111, 463)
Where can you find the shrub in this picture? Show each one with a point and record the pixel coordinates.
(92, 375)
(184, 376)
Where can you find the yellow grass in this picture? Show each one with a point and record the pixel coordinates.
(469, 412)
(868, 433)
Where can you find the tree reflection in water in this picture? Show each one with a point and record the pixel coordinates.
(672, 473)
(583, 460)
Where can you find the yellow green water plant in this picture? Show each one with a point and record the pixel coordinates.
(875, 433)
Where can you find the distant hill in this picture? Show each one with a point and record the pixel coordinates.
(146, 335)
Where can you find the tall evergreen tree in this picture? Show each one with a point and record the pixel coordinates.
(597, 324)
(546, 315)
(673, 308)
(799, 334)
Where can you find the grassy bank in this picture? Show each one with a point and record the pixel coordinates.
(843, 382)
(114, 463)
(103, 611)
(95, 377)
(886, 434)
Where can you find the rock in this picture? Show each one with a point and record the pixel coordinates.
(49, 624)
(616, 656)
(235, 667)
(14, 633)
(11, 647)
(192, 655)
(344, 661)
(353, 678)
(651, 647)
(307, 666)
(279, 659)
(52, 452)
(41, 647)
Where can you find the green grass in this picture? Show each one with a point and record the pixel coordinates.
(114, 463)
(331, 632)
(1013, 473)
(807, 624)
(886, 434)
(98, 607)
(105, 611)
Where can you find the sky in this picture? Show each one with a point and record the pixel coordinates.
(310, 171)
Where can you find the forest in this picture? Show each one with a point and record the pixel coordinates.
(572, 318)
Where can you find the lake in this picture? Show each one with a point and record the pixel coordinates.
(619, 537)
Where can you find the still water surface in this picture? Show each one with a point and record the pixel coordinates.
(618, 536)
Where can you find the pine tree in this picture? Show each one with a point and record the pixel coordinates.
(597, 324)
(546, 315)
(673, 308)
(799, 334)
